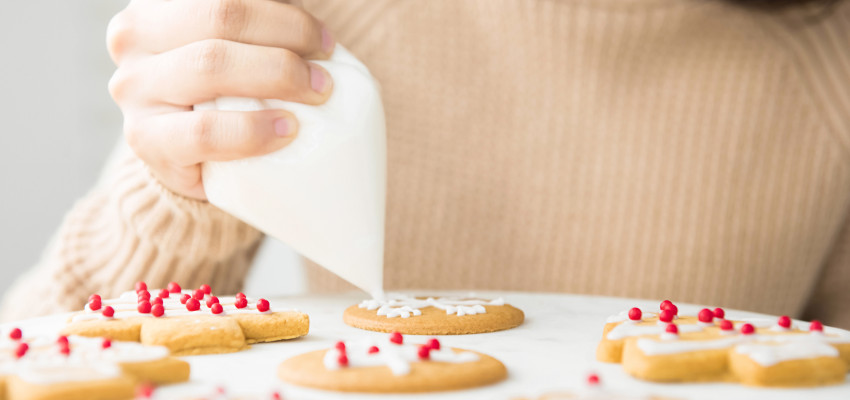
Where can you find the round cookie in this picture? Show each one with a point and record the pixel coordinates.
(433, 316)
(392, 368)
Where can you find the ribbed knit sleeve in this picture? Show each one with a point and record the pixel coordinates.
(130, 228)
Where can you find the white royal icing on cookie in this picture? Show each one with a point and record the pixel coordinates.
(126, 306)
(624, 316)
(766, 354)
(397, 357)
(625, 330)
(405, 306)
(652, 347)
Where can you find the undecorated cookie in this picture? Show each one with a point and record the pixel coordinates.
(397, 365)
(433, 316)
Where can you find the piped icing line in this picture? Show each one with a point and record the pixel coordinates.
(126, 306)
(405, 306)
(624, 316)
(625, 330)
(766, 354)
(396, 356)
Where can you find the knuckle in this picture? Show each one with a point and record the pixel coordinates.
(226, 14)
(201, 131)
(290, 64)
(305, 28)
(118, 86)
(119, 35)
(210, 57)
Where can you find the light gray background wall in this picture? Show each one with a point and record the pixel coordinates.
(59, 125)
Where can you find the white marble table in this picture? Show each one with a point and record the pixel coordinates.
(553, 350)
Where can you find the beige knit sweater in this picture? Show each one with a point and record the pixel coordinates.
(685, 149)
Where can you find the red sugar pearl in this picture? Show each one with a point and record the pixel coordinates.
(705, 315)
(108, 312)
(673, 309)
(21, 350)
(164, 293)
(144, 307)
(212, 300)
(241, 295)
(276, 396)
(593, 380)
(342, 360)
(16, 334)
(157, 310)
(95, 304)
(206, 289)
(434, 344)
(106, 343)
(635, 314)
(193, 305)
(784, 321)
(424, 352)
(262, 305)
(719, 313)
(144, 391)
(95, 296)
(666, 316)
(198, 295)
(144, 295)
(374, 349)
(62, 340)
(141, 286)
(340, 346)
(396, 338)
(672, 328)
(726, 325)
(665, 304)
(185, 298)
(65, 350)
(748, 329)
(174, 287)
(216, 308)
(156, 300)
(241, 302)
(816, 326)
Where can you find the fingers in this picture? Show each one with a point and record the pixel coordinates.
(155, 27)
(209, 69)
(184, 139)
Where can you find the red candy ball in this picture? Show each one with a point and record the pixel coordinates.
(144, 295)
(342, 360)
(106, 343)
(216, 308)
(396, 338)
(184, 298)
(65, 350)
(434, 344)
(21, 350)
(666, 316)
(212, 300)
(719, 313)
(374, 349)
(173, 287)
(198, 295)
(144, 307)
(241, 302)
(593, 379)
(665, 304)
(193, 305)
(164, 293)
(816, 326)
(706, 315)
(16, 334)
(673, 309)
(276, 396)
(784, 321)
(748, 329)
(62, 340)
(340, 346)
(144, 391)
(95, 296)
(141, 286)
(424, 352)
(635, 314)
(206, 289)
(241, 295)
(672, 328)
(156, 300)
(158, 310)
(108, 312)
(726, 325)
(95, 304)
(262, 305)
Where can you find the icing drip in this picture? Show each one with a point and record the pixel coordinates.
(397, 357)
(126, 306)
(404, 306)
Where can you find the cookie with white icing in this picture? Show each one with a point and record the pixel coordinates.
(82, 368)
(187, 322)
(433, 315)
(708, 347)
(396, 364)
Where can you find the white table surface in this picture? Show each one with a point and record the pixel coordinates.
(553, 350)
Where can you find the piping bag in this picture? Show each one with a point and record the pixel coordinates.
(324, 194)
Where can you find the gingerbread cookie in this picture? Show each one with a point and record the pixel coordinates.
(175, 318)
(433, 316)
(82, 368)
(392, 365)
(664, 347)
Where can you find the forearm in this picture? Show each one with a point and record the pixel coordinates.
(127, 229)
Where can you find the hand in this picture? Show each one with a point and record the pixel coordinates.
(173, 54)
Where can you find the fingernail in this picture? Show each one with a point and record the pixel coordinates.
(318, 80)
(283, 127)
(327, 41)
